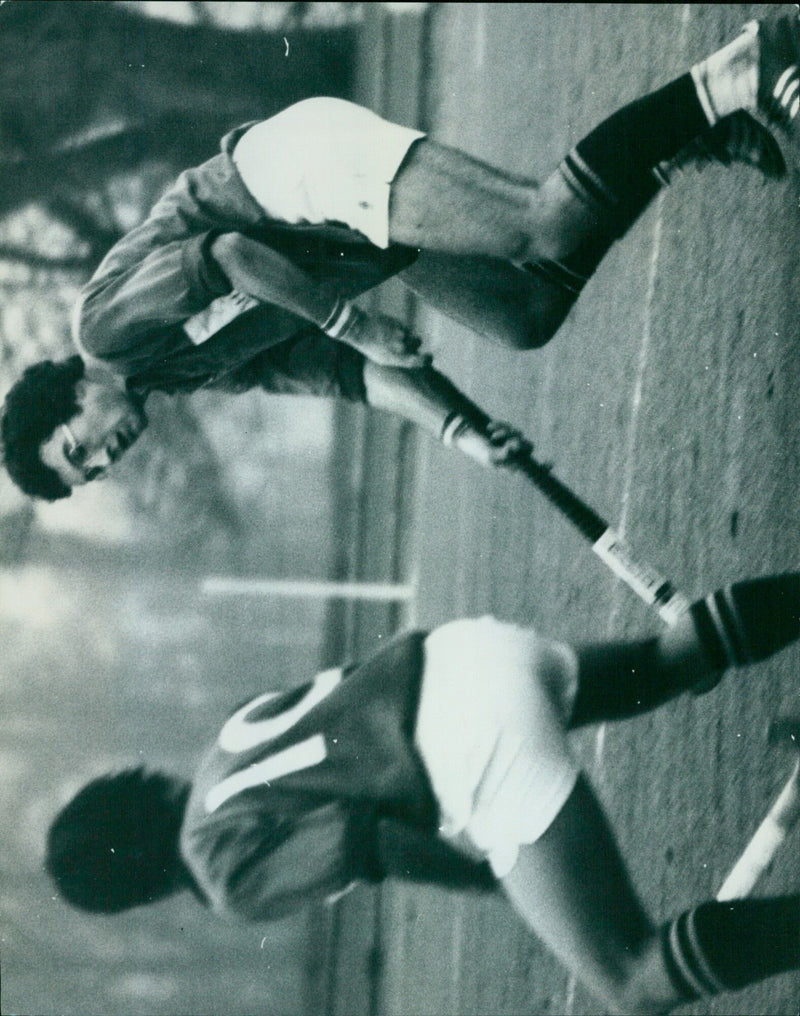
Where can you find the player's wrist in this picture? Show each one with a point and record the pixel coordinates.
(454, 426)
(460, 433)
(342, 320)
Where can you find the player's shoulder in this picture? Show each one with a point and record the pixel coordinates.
(218, 850)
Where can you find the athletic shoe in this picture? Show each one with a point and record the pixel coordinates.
(779, 74)
(735, 138)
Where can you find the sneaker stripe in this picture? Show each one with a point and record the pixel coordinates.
(791, 91)
(722, 609)
(585, 183)
(787, 91)
(782, 81)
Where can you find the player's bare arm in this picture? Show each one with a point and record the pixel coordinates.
(266, 275)
(432, 402)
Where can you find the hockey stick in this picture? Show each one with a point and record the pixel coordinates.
(767, 840)
(645, 581)
(609, 546)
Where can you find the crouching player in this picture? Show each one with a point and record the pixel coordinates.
(444, 758)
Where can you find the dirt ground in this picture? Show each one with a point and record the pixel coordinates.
(668, 401)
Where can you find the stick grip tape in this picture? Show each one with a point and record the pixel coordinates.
(645, 581)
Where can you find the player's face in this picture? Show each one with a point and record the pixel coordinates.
(90, 442)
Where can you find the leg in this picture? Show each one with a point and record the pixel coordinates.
(474, 223)
(524, 309)
(745, 623)
(442, 199)
(573, 890)
(491, 296)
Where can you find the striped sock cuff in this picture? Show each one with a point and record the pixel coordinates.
(722, 630)
(587, 185)
(687, 964)
(786, 94)
(558, 273)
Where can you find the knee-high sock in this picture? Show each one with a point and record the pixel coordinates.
(611, 168)
(618, 680)
(750, 620)
(724, 946)
(741, 624)
(611, 172)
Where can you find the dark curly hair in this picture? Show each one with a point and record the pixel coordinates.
(115, 845)
(43, 398)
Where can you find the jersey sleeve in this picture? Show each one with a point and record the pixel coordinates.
(409, 852)
(306, 363)
(258, 867)
(134, 298)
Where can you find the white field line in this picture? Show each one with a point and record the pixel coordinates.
(636, 398)
(478, 12)
(633, 431)
(630, 452)
(627, 485)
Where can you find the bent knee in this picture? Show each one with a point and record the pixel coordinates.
(540, 314)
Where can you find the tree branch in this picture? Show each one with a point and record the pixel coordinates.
(33, 259)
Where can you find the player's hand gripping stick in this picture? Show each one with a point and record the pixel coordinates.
(467, 421)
